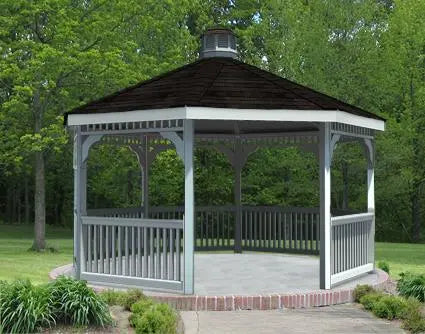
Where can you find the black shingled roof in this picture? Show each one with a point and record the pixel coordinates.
(219, 83)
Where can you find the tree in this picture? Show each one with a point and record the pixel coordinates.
(59, 53)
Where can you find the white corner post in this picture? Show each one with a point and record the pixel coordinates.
(145, 178)
(325, 205)
(370, 149)
(77, 165)
(81, 152)
(188, 229)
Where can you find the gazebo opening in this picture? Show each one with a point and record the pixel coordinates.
(221, 109)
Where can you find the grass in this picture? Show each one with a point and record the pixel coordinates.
(17, 262)
(402, 257)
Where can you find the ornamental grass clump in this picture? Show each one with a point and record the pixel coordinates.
(76, 304)
(24, 308)
(383, 265)
(410, 285)
(112, 297)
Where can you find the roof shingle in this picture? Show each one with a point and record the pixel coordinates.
(218, 83)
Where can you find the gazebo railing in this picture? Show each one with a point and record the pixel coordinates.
(132, 251)
(350, 250)
(263, 228)
(278, 229)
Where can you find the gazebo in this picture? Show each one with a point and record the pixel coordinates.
(222, 103)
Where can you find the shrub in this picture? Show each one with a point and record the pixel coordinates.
(369, 300)
(75, 303)
(390, 307)
(153, 319)
(132, 296)
(384, 266)
(112, 297)
(414, 320)
(142, 306)
(410, 285)
(24, 308)
(361, 290)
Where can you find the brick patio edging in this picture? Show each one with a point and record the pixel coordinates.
(258, 302)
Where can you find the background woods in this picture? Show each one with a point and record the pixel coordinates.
(57, 54)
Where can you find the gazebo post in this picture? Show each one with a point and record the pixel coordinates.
(188, 229)
(325, 206)
(77, 166)
(371, 198)
(237, 166)
(145, 178)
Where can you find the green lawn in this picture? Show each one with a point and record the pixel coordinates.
(17, 262)
(402, 257)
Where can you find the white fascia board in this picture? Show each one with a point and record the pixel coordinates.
(286, 115)
(207, 113)
(127, 116)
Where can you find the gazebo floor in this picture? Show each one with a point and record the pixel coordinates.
(253, 280)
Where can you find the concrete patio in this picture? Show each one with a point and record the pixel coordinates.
(253, 273)
(226, 281)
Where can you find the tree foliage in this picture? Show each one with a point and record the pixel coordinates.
(58, 54)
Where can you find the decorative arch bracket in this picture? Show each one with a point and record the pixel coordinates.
(88, 142)
(177, 140)
(369, 152)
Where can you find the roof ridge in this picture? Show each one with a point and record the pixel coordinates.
(247, 67)
(211, 83)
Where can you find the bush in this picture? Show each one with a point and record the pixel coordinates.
(132, 296)
(142, 306)
(410, 285)
(153, 318)
(390, 307)
(384, 266)
(24, 308)
(75, 303)
(112, 297)
(414, 320)
(369, 300)
(361, 290)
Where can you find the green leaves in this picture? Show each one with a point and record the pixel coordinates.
(75, 303)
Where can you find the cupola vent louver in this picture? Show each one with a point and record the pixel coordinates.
(218, 43)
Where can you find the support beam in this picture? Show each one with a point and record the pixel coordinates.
(237, 155)
(238, 213)
(189, 203)
(325, 206)
(77, 164)
(371, 198)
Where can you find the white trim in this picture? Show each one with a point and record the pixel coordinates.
(129, 281)
(207, 113)
(349, 219)
(352, 273)
(127, 116)
(288, 115)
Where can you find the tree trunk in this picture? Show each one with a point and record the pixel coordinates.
(39, 204)
(27, 201)
(416, 216)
